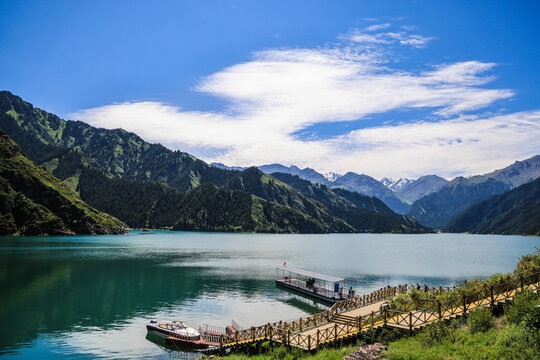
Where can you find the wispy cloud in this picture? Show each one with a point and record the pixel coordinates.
(282, 91)
(378, 27)
(369, 36)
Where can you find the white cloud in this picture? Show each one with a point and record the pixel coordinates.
(283, 91)
(388, 38)
(378, 27)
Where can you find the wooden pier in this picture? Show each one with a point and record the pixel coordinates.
(349, 318)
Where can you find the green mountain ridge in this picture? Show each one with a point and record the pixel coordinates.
(515, 212)
(34, 202)
(118, 152)
(211, 208)
(254, 181)
(139, 204)
(438, 209)
(138, 182)
(360, 211)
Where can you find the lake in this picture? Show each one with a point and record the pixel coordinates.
(90, 296)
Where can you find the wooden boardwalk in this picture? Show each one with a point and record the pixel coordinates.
(351, 317)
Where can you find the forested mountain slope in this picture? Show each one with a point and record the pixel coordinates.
(364, 213)
(437, 209)
(34, 202)
(514, 212)
(144, 184)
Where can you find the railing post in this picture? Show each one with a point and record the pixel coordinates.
(289, 337)
(335, 331)
(266, 331)
(236, 337)
(252, 332)
(410, 320)
(359, 323)
(464, 303)
(385, 315)
(220, 341)
(492, 295)
(318, 336)
(270, 332)
(300, 324)
(309, 342)
(439, 308)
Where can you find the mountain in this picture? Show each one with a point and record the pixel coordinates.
(34, 202)
(396, 185)
(514, 212)
(254, 181)
(437, 209)
(360, 183)
(369, 186)
(225, 167)
(120, 153)
(331, 176)
(138, 203)
(210, 208)
(423, 186)
(146, 184)
(306, 174)
(364, 213)
(520, 172)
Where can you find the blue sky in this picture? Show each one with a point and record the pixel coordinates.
(387, 88)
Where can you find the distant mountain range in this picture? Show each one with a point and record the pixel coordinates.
(396, 185)
(438, 209)
(361, 183)
(431, 199)
(422, 186)
(149, 185)
(514, 212)
(397, 194)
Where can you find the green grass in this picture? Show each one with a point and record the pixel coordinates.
(516, 335)
(281, 352)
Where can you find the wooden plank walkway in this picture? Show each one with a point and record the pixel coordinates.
(349, 318)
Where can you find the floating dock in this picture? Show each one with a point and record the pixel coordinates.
(323, 288)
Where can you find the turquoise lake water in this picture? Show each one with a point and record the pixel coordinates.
(87, 297)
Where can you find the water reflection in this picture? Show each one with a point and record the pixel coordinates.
(90, 297)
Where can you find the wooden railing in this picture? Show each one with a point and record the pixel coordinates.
(411, 314)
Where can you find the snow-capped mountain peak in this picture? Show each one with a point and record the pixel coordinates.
(331, 176)
(396, 185)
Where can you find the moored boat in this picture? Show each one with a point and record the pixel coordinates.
(179, 333)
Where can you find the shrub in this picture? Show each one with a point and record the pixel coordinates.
(480, 320)
(529, 260)
(525, 310)
(436, 333)
(282, 352)
(517, 342)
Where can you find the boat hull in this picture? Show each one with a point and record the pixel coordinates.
(174, 339)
